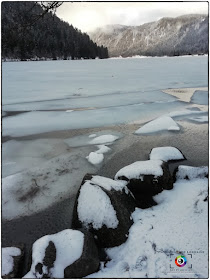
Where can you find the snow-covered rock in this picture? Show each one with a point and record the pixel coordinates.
(183, 172)
(12, 258)
(104, 207)
(146, 179)
(164, 123)
(166, 154)
(66, 254)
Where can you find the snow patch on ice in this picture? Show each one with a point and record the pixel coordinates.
(160, 124)
(166, 154)
(7, 259)
(102, 149)
(95, 158)
(95, 208)
(69, 111)
(69, 247)
(92, 135)
(139, 168)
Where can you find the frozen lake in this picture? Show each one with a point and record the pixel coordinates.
(61, 95)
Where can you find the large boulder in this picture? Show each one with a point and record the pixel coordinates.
(104, 207)
(146, 179)
(12, 261)
(66, 254)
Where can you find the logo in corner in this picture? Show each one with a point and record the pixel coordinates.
(180, 261)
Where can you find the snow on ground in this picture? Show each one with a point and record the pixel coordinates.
(166, 154)
(69, 247)
(160, 124)
(95, 158)
(139, 168)
(37, 188)
(104, 139)
(95, 207)
(190, 172)
(7, 259)
(178, 225)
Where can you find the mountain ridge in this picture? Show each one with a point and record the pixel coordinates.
(183, 35)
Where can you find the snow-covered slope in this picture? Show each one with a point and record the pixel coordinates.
(168, 36)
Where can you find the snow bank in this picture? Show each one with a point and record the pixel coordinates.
(166, 154)
(108, 184)
(104, 139)
(159, 124)
(139, 168)
(190, 172)
(95, 158)
(177, 225)
(95, 208)
(69, 247)
(7, 259)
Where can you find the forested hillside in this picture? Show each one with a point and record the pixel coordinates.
(26, 35)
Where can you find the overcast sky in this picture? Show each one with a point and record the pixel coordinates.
(87, 16)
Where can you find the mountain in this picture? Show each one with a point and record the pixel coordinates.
(26, 34)
(168, 36)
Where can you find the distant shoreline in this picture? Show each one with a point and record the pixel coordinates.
(117, 57)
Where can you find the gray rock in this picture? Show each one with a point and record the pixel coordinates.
(146, 186)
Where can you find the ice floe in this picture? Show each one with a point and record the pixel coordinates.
(163, 123)
(104, 139)
(95, 207)
(69, 247)
(166, 154)
(202, 119)
(8, 254)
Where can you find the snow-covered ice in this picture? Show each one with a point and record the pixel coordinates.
(178, 225)
(163, 123)
(95, 207)
(166, 154)
(139, 168)
(104, 139)
(95, 158)
(69, 247)
(7, 259)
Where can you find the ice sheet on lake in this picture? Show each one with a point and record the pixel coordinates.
(200, 97)
(163, 123)
(37, 188)
(179, 223)
(104, 139)
(20, 155)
